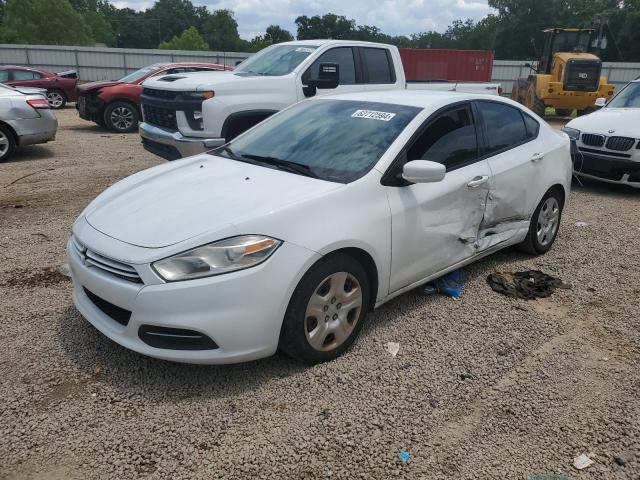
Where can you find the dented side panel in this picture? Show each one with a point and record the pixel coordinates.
(435, 225)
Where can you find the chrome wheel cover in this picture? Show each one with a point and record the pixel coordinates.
(548, 221)
(122, 118)
(333, 311)
(4, 144)
(55, 99)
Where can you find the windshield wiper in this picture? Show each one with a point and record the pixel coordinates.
(284, 165)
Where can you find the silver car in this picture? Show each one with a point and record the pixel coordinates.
(25, 119)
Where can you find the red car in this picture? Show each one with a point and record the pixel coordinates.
(116, 104)
(61, 87)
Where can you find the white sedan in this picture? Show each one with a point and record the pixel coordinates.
(287, 236)
(608, 141)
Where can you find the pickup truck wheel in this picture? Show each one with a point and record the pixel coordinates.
(121, 117)
(7, 143)
(544, 225)
(56, 99)
(327, 310)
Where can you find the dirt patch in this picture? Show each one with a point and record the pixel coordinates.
(24, 277)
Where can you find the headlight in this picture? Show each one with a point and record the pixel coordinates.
(573, 133)
(202, 95)
(225, 256)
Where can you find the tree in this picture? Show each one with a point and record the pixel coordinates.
(49, 22)
(172, 17)
(220, 31)
(189, 40)
(101, 30)
(277, 34)
(328, 26)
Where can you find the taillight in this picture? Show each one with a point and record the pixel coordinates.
(38, 103)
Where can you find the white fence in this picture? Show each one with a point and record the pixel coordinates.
(96, 63)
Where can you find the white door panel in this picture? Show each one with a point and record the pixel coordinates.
(435, 225)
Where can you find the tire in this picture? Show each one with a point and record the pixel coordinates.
(56, 99)
(121, 117)
(7, 143)
(563, 112)
(547, 216)
(317, 327)
(534, 103)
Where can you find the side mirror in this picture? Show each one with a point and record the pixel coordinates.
(328, 75)
(423, 171)
(600, 102)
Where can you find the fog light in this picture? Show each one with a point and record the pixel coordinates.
(197, 115)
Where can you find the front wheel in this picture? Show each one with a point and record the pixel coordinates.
(56, 99)
(544, 225)
(121, 117)
(327, 310)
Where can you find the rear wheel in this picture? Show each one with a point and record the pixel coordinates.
(7, 143)
(563, 112)
(121, 117)
(327, 310)
(534, 103)
(544, 225)
(56, 99)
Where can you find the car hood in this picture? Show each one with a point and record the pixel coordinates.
(624, 121)
(220, 82)
(193, 197)
(87, 87)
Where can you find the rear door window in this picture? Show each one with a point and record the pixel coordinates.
(532, 126)
(450, 138)
(25, 75)
(343, 56)
(504, 126)
(4, 75)
(378, 65)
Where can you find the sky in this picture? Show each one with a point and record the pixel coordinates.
(394, 17)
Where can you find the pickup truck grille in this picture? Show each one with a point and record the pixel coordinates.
(621, 144)
(164, 94)
(162, 117)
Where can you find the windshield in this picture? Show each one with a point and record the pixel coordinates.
(571, 42)
(335, 140)
(628, 97)
(138, 74)
(276, 60)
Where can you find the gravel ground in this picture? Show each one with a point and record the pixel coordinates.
(482, 387)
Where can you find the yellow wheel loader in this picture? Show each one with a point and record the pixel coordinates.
(566, 77)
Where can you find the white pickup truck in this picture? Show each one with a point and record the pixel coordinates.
(187, 114)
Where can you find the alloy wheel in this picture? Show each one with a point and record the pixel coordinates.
(333, 311)
(55, 99)
(122, 118)
(548, 220)
(4, 144)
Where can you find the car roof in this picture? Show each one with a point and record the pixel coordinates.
(327, 41)
(185, 64)
(416, 98)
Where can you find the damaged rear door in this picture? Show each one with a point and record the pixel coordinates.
(435, 225)
(516, 158)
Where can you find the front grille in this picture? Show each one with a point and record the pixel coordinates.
(114, 312)
(582, 75)
(162, 117)
(592, 139)
(108, 265)
(164, 94)
(621, 144)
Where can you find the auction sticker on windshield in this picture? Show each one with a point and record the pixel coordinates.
(373, 115)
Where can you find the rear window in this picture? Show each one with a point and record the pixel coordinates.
(378, 65)
(504, 125)
(340, 140)
(25, 75)
(532, 126)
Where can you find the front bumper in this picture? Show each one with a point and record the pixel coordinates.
(241, 312)
(607, 169)
(172, 145)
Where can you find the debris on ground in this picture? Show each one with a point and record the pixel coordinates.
(451, 284)
(65, 270)
(581, 224)
(392, 347)
(404, 456)
(527, 285)
(582, 461)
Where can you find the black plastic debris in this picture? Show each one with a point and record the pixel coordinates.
(527, 285)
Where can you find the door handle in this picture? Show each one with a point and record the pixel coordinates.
(477, 181)
(536, 157)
